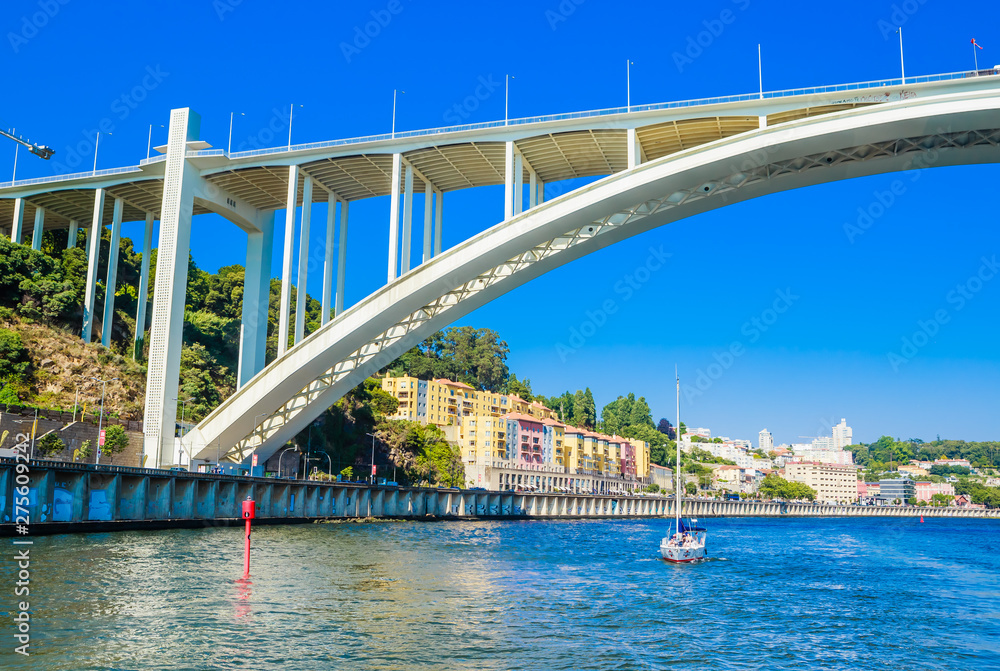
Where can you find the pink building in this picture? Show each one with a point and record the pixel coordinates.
(628, 457)
(868, 489)
(524, 438)
(925, 491)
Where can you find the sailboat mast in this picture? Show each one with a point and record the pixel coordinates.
(677, 463)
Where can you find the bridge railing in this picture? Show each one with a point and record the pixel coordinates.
(75, 175)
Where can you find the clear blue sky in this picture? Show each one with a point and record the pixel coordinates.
(825, 358)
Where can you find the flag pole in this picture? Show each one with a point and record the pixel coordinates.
(902, 66)
(760, 73)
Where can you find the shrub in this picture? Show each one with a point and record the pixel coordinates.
(50, 444)
(115, 441)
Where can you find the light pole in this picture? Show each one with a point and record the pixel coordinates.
(104, 386)
(628, 85)
(149, 140)
(97, 143)
(291, 112)
(13, 177)
(506, 97)
(184, 402)
(394, 92)
(76, 401)
(373, 456)
(229, 147)
(294, 449)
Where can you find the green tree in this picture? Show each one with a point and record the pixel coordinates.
(85, 450)
(521, 388)
(584, 412)
(115, 441)
(477, 357)
(50, 444)
(691, 488)
(14, 360)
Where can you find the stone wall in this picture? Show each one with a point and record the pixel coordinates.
(72, 433)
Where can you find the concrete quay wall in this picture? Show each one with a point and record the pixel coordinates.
(55, 497)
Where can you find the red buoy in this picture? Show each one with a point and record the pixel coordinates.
(249, 512)
(921, 519)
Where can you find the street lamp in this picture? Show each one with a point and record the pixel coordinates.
(373, 456)
(506, 97)
(149, 140)
(229, 148)
(394, 92)
(291, 111)
(294, 449)
(97, 143)
(628, 85)
(104, 386)
(184, 402)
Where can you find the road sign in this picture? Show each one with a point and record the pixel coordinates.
(100, 439)
(254, 459)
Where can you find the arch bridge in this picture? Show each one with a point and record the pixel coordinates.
(654, 164)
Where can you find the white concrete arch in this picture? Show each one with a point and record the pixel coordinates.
(945, 130)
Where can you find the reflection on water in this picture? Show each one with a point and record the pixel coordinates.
(502, 595)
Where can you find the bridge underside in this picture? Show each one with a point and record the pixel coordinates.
(290, 393)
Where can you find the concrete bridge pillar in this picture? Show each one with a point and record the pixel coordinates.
(143, 292)
(287, 256)
(36, 235)
(171, 283)
(17, 227)
(301, 284)
(256, 296)
(74, 227)
(397, 169)
(407, 218)
(93, 254)
(111, 284)
(338, 303)
(508, 193)
(326, 301)
(428, 222)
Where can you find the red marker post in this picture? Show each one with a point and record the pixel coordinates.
(249, 512)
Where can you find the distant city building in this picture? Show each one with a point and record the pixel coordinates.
(766, 441)
(662, 476)
(925, 491)
(901, 489)
(825, 455)
(832, 482)
(842, 435)
(913, 470)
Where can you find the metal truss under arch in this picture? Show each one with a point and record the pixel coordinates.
(947, 130)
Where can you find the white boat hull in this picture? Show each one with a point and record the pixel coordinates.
(680, 554)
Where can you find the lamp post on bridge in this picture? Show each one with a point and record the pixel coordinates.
(373, 456)
(97, 143)
(506, 97)
(104, 386)
(628, 84)
(229, 147)
(394, 92)
(149, 140)
(291, 112)
(294, 449)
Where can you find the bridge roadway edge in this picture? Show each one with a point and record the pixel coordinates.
(88, 499)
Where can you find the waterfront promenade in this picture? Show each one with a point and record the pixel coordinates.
(63, 497)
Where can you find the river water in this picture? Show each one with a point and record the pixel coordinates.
(780, 594)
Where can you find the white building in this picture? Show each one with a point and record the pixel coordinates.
(842, 435)
(766, 441)
(832, 482)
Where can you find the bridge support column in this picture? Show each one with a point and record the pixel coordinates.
(17, 227)
(286, 258)
(532, 189)
(303, 276)
(634, 149)
(171, 287)
(140, 312)
(256, 296)
(508, 181)
(331, 231)
(540, 196)
(338, 303)
(36, 235)
(397, 168)
(438, 207)
(110, 286)
(518, 183)
(428, 221)
(74, 226)
(93, 251)
(407, 219)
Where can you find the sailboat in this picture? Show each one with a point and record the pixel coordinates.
(687, 543)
